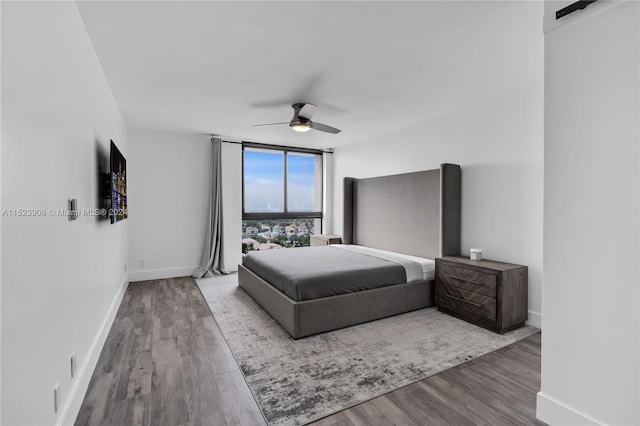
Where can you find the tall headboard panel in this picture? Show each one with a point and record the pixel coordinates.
(412, 213)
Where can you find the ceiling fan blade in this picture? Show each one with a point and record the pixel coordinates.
(325, 128)
(307, 111)
(269, 124)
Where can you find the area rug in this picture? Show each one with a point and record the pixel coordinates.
(298, 381)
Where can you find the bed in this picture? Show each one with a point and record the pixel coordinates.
(313, 289)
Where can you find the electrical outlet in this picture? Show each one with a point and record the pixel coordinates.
(141, 263)
(125, 267)
(73, 365)
(56, 398)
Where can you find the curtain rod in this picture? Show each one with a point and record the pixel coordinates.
(275, 146)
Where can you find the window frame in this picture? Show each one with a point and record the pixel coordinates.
(285, 214)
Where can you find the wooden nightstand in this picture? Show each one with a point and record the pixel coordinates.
(325, 240)
(490, 294)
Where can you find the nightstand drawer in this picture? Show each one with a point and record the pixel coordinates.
(468, 279)
(474, 303)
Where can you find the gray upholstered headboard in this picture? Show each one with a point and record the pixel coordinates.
(411, 213)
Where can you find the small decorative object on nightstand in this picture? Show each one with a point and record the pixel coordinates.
(325, 240)
(490, 294)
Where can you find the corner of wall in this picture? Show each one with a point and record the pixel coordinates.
(535, 319)
(327, 204)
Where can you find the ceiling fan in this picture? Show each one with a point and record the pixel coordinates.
(301, 121)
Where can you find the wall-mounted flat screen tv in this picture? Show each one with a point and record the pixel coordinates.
(118, 194)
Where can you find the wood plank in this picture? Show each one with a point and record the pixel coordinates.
(131, 411)
(429, 406)
(378, 413)
(168, 401)
(96, 407)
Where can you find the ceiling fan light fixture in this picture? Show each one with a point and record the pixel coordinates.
(300, 126)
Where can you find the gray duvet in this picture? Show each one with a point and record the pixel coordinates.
(313, 272)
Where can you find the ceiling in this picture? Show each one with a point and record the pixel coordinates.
(372, 68)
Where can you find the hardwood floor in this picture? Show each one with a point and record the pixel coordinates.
(165, 362)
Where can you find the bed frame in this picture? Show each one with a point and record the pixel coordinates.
(413, 213)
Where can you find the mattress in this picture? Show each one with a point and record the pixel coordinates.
(427, 266)
(314, 272)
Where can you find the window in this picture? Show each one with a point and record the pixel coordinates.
(304, 182)
(282, 196)
(263, 181)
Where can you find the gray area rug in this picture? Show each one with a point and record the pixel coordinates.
(298, 381)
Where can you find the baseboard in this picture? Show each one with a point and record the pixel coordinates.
(158, 274)
(76, 394)
(535, 319)
(553, 412)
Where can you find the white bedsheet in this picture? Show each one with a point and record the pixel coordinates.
(417, 268)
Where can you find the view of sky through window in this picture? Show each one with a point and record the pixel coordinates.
(301, 183)
(264, 181)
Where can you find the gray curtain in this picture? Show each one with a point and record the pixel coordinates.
(212, 258)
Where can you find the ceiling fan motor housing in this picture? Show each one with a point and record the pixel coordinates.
(301, 123)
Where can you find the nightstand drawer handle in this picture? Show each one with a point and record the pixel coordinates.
(465, 301)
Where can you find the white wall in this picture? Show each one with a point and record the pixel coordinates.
(169, 177)
(327, 195)
(0, 209)
(499, 145)
(590, 344)
(61, 280)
